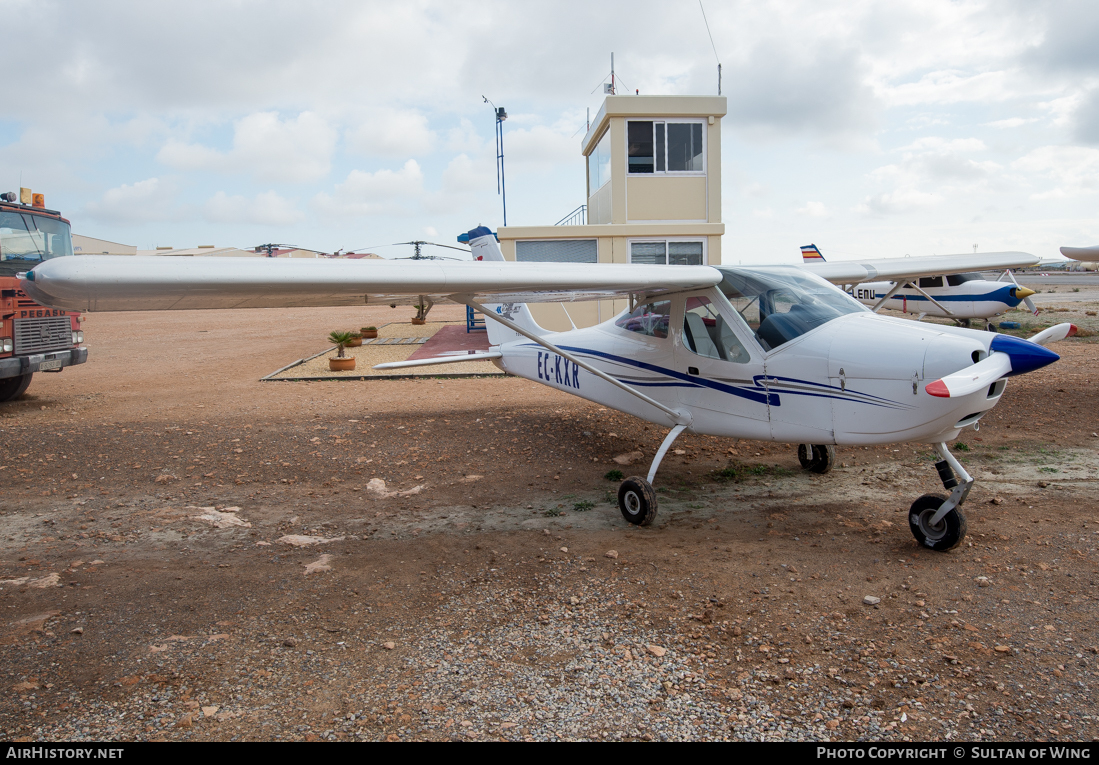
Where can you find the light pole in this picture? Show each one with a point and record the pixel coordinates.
(501, 189)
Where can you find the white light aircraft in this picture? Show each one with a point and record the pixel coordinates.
(767, 353)
(950, 292)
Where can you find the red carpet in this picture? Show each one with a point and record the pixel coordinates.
(452, 338)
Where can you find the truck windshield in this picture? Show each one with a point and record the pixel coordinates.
(782, 303)
(27, 239)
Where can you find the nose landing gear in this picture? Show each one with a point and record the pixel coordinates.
(636, 498)
(937, 522)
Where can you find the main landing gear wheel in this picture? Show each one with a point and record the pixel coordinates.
(637, 501)
(822, 459)
(942, 536)
(991, 327)
(12, 388)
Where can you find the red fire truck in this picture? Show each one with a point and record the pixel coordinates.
(33, 338)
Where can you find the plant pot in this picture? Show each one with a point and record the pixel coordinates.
(369, 334)
(346, 364)
(419, 322)
(354, 342)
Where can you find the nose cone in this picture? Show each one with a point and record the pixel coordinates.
(1025, 356)
(1022, 293)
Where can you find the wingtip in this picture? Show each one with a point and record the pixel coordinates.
(1072, 329)
(938, 388)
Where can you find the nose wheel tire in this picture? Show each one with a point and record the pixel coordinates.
(637, 501)
(942, 536)
(822, 459)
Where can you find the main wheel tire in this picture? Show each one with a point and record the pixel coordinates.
(637, 501)
(822, 460)
(991, 327)
(12, 388)
(944, 535)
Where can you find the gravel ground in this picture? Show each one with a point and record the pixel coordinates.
(189, 554)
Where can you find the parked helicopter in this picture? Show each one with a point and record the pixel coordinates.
(954, 295)
(764, 353)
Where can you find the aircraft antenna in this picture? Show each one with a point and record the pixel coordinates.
(707, 23)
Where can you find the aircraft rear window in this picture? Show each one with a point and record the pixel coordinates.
(650, 319)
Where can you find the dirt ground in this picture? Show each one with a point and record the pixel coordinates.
(154, 582)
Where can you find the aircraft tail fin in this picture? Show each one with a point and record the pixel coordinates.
(485, 248)
(810, 254)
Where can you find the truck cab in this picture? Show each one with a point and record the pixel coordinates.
(33, 337)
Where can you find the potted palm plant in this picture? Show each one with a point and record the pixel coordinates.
(356, 340)
(340, 362)
(421, 314)
(369, 333)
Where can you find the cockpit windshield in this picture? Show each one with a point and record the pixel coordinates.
(782, 303)
(26, 240)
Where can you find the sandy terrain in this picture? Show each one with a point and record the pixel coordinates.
(153, 586)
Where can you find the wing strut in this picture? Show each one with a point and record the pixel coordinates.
(679, 418)
(941, 307)
(888, 295)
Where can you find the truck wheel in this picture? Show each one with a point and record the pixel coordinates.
(12, 388)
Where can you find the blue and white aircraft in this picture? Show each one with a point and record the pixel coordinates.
(952, 293)
(764, 353)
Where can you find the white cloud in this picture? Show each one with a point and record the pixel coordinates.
(267, 209)
(813, 210)
(1010, 122)
(388, 132)
(149, 201)
(271, 150)
(897, 202)
(381, 192)
(1073, 170)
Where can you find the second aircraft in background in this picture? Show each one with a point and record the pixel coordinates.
(953, 294)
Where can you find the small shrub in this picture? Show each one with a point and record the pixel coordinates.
(729, 473)
(583, 506)
(552, 512)
(614, 475)
(961, 447)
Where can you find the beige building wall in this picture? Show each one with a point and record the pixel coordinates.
(638, 206)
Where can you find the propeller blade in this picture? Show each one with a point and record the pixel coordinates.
(1053, 334)
(973, 378)
(1030, 305)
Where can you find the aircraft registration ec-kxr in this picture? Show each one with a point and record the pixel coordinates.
(763, 353)
(952, 295)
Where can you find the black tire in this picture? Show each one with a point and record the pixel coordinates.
(637, 501)
(991, 327)
(822, 461)
(945, 535)
(12, 388)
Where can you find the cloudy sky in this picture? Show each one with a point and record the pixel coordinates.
(869, 128)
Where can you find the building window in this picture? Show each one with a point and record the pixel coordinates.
(557, 251)
(664, 147)
(672, 253)
(599, 164)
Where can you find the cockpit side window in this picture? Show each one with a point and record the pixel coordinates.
(707, 333)
(650, 319)
(930, 281)
(953, 280)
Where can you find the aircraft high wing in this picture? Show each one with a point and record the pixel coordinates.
(762, 353)
(1090, 254)
(939, 285)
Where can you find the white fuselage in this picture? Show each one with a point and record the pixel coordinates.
(975, 299)
(858, 379)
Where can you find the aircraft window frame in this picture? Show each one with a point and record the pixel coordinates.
(644, 320)
(723, 317)
(956, 280)
(810, 303)
(927, 282)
